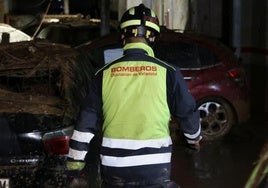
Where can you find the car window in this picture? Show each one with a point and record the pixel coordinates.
(56, 34)
(84, 34)
(207, 56)
(185, 55)
(70, 35)
(106, 54)
(112, 54)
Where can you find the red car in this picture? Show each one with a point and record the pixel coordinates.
(214, 76)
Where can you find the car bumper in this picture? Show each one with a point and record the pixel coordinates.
(33, 171)
(19, 171)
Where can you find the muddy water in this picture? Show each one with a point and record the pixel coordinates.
(221, 164)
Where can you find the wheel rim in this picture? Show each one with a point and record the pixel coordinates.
(213, 118)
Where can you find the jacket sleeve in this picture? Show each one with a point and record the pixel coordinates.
(89, 118)
(183, 107)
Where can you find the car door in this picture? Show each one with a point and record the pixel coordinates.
(183, 55)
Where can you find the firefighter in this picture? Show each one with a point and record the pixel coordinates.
(134, 98)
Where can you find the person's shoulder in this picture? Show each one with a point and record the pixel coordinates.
(107, 65)
(165, 64)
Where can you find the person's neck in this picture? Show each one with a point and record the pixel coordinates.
(135, 40)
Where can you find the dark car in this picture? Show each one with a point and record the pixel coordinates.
(213, 74)
(72, 33)
(40, 88)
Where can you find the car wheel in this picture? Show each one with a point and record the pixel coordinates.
(216, 118)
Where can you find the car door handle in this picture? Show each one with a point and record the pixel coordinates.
(189, 78)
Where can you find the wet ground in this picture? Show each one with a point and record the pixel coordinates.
(226, 163)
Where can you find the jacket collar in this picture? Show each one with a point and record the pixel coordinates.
(140, 45)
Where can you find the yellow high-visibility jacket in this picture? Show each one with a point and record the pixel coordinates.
(135, 96)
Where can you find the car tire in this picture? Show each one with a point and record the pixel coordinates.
(216, 118)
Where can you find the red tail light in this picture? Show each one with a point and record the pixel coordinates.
(57, 146)
(234, 73)
(57, 142)
(237, 75)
